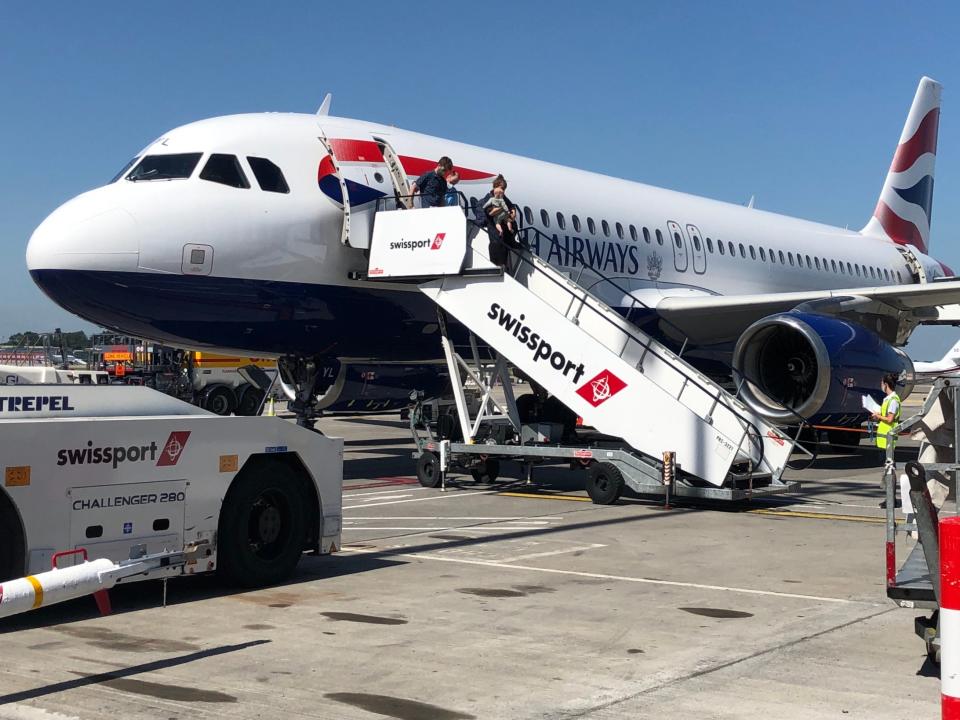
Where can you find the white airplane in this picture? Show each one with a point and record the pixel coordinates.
(248, 233)
(947, 366)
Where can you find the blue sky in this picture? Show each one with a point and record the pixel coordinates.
(800, 104)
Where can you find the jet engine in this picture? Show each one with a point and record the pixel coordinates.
(797, 365)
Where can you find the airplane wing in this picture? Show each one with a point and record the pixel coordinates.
(892, 311)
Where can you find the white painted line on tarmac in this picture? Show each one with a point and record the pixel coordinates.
(446, 517)
(461, 495)
(548, 553)
(401, 527)
(381, 492)
(625, 578)
(29, 712)
(394, 496)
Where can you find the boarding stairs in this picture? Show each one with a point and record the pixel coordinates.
(589, 356)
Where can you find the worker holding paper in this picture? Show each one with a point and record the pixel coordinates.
(889, 413)
(887, 417)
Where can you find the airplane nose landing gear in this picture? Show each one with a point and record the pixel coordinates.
(305, 380)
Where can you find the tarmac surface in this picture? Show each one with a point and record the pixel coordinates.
(509, 601)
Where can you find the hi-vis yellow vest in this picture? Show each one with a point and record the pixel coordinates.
(884, 427)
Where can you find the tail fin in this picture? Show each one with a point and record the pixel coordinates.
(903, 211)
(953, 354)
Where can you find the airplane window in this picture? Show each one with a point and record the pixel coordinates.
(576, 222)
(561, 223)
(659, 237)
(773, 256)
(676, 239)
(872, 273)
(696, 243)
(733, 252)
(809, 264)
(849, 269)
(620, 231)
(123, 171)
(224, 169)
(816, 262)
(606, 227)
(899, 279)
(753, 253)
(864, 270)
(269, 176)
(709, 245)
(783, 260)
(790, 258)
(842, 269)
(743, 252)
(545, 218)
(165, 167)
(633, 234)
(833, 264)
(591, 226)
(528, 214)
(720, 247)
(646, 236)
(763, 255)
(858, 270)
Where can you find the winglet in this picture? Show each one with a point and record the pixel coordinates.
(324, 108)
(903, 210)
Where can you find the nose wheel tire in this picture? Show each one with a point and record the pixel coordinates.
(262, 527)
(428, 470)
(604, 483)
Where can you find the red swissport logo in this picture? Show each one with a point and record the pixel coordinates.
(776, 438)
(601, 388)
(174, 448)
(438, 241)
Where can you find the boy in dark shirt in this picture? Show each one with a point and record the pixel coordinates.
(432, 186)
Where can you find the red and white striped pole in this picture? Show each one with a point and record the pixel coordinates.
(950, 618)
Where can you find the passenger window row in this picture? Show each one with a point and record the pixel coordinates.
(219, 168)
(799, 260)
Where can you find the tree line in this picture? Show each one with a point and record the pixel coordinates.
(71, 340)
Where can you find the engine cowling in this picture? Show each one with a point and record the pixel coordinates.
(814, 365)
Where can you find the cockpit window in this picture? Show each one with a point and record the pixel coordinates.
(269, 176)
(224, 169)
(165, 167)
(123, 171)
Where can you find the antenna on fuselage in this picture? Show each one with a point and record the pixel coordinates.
(752, 200)
(324, 108)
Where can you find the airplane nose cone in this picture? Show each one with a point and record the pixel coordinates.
(83, 235)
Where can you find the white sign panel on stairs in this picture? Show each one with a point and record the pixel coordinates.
(418, 243)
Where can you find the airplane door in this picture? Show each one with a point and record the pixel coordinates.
(679, 242)
(350, 175)
(398, 176)
(334, 186)
(699, 253)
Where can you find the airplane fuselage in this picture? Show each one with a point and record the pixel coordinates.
(198, 263)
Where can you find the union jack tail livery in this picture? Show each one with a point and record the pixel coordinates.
(903, 211)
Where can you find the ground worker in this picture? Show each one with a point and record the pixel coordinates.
(888, 418)
(889, 413)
